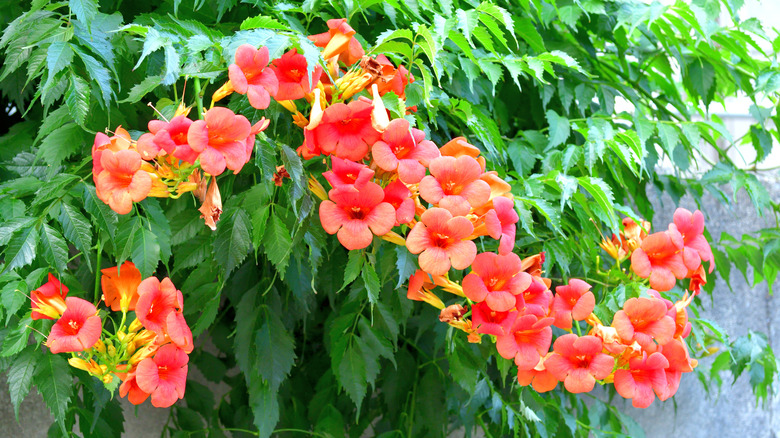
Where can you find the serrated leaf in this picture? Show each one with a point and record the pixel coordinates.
(602, 194)
(233, 240)
(172, 65)
(142, 88)
(352, 270)
(669, 137)
(125, 238)
(13, 297)
(371, 281)
(559, 128)
(98, 73)
(274, 337)
(55, 384)
(21, 248)
(59, 56)
(351, 372)
(527, 31)
(85, 10)
(61, 144)
(20, 376)
(264, 22)
(146, 251)
(265, 406)
(55, 251)
(9, 227)
(102, 215)
(277, 243)
(405, 265)
(77, 99)
(77, 230)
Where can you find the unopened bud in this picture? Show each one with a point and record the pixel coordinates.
(135, 326)
(100, 347)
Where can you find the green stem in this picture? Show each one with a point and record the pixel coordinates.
(198, 97)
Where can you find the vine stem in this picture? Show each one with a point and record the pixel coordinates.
(198, 97)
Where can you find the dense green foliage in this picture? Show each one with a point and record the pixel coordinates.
(576, 103)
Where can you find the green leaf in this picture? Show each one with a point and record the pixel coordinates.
(233, 240)
(669, 137)
(77, 230)
(264, 22)
(142, 88)
(146, 251)
(274, 337)
(59, 56)
(61, 144)
(16, 340)
(55, 251)
(77, 99)
(371, 281)
(21, 248)
(351, 372)
(526, 29)
(14, 296)
(55, 384)
(277, 243)
(265, 407)
(602, 194)
(102, 215)
(20, 376)
(98, 73)
(85, 10)
(172, 65)
(405, 264)
(352, 270)
(559, 128)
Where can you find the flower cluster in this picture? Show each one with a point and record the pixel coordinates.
(149, 356)
(388, 180)
(176, 156)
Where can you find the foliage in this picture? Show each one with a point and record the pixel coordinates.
(583, 106)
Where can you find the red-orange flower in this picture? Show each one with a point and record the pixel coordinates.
(497, 280)
(120, 286)
(454, 184)
(420, 286)
(538, 377)
(164, 376)
(642, 320)
(573, 301)
(339, 40)
(121, 181)
(118, 142)
(168, 136)
(345, 131)
(490, 322)
(132, 391)
(291, 72)
(357, 216)
(392, 79)
(696, 248)
(221, 140)
(441, 241)
(528, 340)
(48, 301)
(399, 196)
(645, 375)
(458, 147)
(250, 76)
(347, 175)
(659, 257)
(409, 153)
(578, 362)
(78, 329)
(501, 223)
(156, 300)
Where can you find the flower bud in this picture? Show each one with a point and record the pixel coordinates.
(135, 326)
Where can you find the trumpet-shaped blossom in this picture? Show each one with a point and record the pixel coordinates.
(120, 141)
(490, 322)
(573, 301)
(132, 391)
(642, 320)
(528, 340)
(120, 286)
(645, 375)
(221, 140)
(536, 299)
(122, 181)
(48, 301)
(408, 153)
(357, 216)
(696, 248)
(391, 79)
(497, 280)
(501, 223)
(77, 330)
(291, 72)
(659, 257)
(454, 184)
(676, 352)
(170, 137)
(164, 376)
(339, 40)
(348, 175)
(538, 377)
(578, 362)
(156, 300)
(420, 286)
(250, 76)
(399, 196)
(345, 130)
(441, 241)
